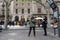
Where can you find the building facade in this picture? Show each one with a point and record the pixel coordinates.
(26, 8)
(2, 9)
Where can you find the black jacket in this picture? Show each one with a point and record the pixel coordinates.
(44, 24)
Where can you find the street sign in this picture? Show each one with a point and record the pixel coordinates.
(50, 1)
(52, 4)
(56, 14)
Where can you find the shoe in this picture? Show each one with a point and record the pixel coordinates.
(34, 36)
(45, 34)
(28, 35)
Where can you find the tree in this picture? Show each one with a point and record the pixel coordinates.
(7, 2)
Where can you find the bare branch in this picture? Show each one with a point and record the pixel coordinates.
(40, 3)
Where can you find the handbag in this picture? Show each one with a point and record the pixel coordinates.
(55, 25)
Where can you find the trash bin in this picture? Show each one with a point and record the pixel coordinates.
(0, 28)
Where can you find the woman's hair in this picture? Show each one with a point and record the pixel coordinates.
(32, 17)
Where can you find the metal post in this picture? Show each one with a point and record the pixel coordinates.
(58, 18)
(58, 23)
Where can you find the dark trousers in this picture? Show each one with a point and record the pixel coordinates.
(38, 25)
(45, 32)
(30, 30)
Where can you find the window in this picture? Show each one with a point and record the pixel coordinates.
(3, 11)
(39, 10)
(16, 5)
(22, 11)
(28, 4)
(29, 11)
(16, 11)
(3, 5)
(22, 4)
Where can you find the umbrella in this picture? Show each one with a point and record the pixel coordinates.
(39, 18)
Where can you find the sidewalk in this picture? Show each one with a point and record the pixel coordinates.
(23, 35)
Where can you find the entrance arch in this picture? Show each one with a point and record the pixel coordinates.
(16, 18)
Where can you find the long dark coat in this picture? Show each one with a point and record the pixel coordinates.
(44, 24)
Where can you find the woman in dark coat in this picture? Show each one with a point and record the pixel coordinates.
(44, 25)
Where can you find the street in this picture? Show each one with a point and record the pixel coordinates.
(23, 35)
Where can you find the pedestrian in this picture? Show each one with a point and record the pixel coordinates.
(44, 25)
(32, 26)
(38, 23)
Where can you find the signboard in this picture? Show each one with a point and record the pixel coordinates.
(50, 1)
(52, 4)
(56, 14)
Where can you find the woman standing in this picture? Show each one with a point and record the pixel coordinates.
(44, 25)
(32, 26)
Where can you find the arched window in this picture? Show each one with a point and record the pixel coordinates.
(16, 18)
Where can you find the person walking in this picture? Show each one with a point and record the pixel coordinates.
(44, 25)
(32, 26)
